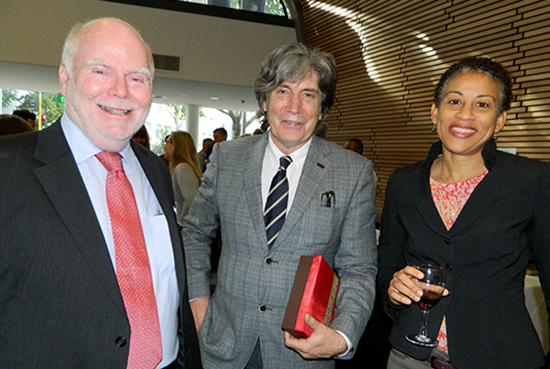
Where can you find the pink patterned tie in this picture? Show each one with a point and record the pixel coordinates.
(132, 266)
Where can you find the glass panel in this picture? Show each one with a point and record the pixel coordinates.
(273, 7)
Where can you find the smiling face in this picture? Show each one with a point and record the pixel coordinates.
(468, 114)
(108, 91)
(292, 111)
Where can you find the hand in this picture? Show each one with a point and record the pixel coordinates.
(403, 288)
(324, 342)
(198, 307)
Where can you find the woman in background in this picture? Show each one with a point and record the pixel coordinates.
(184, 167)
(476, 211)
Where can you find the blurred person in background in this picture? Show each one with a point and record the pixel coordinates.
(27, 116)
(142, 137)
(12, 124)
(202, 155)
(186, 174)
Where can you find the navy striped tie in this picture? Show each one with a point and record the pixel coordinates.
(277, 200)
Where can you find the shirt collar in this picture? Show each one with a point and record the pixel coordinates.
(273, 153)
(83, 149)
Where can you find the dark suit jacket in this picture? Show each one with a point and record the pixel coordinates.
(486, 252)
(60, 305)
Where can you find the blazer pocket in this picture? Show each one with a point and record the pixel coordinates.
(217, 336)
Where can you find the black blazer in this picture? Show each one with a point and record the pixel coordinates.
(486, 252)
(60, 305)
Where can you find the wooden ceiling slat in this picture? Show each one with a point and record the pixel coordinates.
(390, 110)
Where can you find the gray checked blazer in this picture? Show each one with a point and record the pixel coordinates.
(250, 276)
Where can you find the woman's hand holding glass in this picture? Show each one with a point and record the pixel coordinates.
(403, 289)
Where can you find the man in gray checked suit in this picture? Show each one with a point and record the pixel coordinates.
(240, 324)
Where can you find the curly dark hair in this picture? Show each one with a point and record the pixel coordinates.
(482, 65)
(25, 114)
(292, 63)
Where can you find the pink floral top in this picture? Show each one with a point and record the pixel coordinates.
(449, 199)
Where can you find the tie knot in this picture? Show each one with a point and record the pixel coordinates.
(112, 161)
(284, 162)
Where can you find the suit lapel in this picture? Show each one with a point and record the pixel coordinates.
(426, 207)
(484, 194)
(313, 173)
(157, 178)
(62, 183)
(252, 183)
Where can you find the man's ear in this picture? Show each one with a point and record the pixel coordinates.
(63, 77)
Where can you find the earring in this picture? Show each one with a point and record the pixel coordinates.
(434, 127)
(495, 136)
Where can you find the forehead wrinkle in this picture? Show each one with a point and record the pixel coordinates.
(288, 84)
(312, 89)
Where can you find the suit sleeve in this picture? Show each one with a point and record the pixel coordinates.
(356, 261)
(198, 229)
(540, 235)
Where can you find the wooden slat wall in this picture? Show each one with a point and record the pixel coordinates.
(406, 46)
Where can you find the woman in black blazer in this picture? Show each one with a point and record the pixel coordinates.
(477, 211)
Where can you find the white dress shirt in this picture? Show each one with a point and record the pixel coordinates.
(153, 221)
(293, 172)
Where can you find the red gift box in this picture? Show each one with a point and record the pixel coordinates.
(313, 292)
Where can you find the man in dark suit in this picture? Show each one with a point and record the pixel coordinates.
(329, 211)
(63, 302)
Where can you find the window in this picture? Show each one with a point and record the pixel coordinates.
(274, 7)
(275, 12)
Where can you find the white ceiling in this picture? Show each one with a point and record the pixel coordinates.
(173, 91)
(219, 57)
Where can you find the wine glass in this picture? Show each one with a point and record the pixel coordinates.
(432, 285)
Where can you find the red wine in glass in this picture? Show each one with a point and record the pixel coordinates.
(433, 285)
(429, 299)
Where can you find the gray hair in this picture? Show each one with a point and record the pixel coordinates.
(292, 63)
(70, 47)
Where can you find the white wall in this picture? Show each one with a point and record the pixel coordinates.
(213, 49)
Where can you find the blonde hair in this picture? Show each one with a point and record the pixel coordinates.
(184, 151)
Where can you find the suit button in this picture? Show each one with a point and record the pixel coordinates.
(448, 241)
(120, 341)
(262, 308)
(268, 261)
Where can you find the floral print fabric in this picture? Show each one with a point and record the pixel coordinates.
(449, 199)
